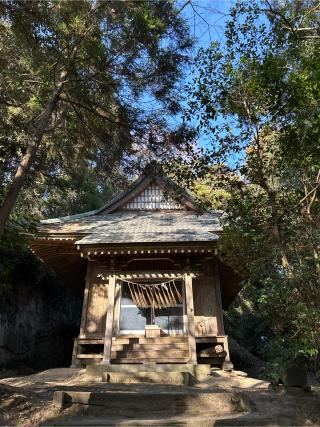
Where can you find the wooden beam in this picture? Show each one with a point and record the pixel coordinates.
(109, 321)
(206, 247)
(106, 251)
(190, 317)
(152, 275)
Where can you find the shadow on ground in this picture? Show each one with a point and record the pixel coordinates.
(222, 399)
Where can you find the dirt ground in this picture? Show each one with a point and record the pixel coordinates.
(27, 400)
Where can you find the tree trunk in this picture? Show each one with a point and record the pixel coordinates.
(30, 155)
(277, 233)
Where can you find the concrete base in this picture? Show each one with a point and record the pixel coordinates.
(186, 374)
(177, 378)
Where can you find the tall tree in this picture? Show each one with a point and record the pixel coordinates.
(77, 79)
(257, 99)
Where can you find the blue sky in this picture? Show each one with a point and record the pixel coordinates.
(206, 20)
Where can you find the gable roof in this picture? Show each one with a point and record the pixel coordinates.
(153, 227)
(137, 226)
(119, 222)
(170, 189)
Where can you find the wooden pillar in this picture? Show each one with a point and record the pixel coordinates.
(227, 365)
(116, 314)
(218, 298)
(190, 317)
(109, 321)
(85, 300)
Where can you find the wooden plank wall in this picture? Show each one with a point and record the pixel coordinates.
(97, 308)
(208, 316)
(95, 304)
(205, 306)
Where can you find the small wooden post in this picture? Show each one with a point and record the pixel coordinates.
(190, 317)
(109, 321)
(74, 361)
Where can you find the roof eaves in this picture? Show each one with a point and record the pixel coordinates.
(106, 239)
(67, 218)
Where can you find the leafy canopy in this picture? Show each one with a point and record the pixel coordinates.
(256, 97)
(123, 60)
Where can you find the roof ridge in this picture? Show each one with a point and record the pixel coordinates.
(120, 194)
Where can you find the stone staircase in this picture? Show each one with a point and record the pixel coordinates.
(168, 349)
(151, 405)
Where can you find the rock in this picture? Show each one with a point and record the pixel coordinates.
(296, 376)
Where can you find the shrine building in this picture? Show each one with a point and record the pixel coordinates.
(147, 264)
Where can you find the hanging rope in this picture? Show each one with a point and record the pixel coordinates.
(178, 293)
(155, 295)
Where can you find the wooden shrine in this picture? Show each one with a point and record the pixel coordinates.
(148, 267)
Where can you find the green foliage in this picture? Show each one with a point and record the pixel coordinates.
(243, 311)
(257, 97)
(214, 197)
(209, 189)
(122, 60)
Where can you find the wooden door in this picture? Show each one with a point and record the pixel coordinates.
(205, 306)
(97, 309)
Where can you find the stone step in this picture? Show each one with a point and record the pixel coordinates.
(168, 371)
(137, 404)
(209, 419)
(172, 378)
(98, 369)
(172, 401)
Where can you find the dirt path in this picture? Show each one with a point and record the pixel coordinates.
(26, 401)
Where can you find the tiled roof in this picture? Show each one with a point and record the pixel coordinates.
(138, 226)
